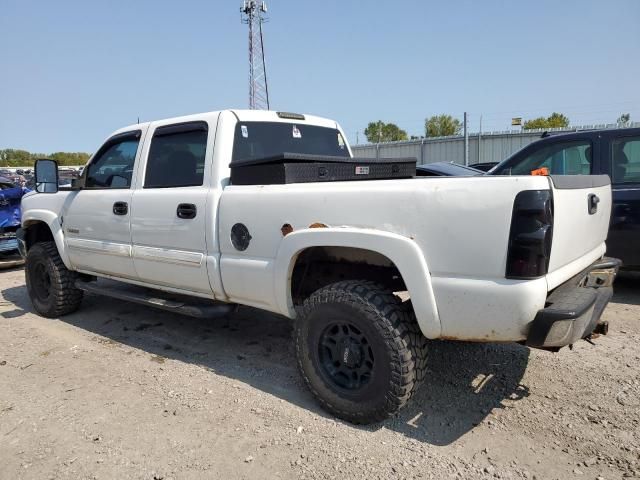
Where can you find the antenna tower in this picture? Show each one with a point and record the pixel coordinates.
(253, 14)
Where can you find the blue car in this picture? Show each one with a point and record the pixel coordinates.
(10, 213)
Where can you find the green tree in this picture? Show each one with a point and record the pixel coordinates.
(555, 120)
(384, 132)
(441, 126)
(69, 158)
(21, 158)
(624, 119)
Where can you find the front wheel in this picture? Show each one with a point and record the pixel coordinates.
(50, 284)
(358, 351)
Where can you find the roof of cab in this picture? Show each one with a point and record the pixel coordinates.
(241, 115)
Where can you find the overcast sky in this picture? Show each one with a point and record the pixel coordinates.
(73, 71)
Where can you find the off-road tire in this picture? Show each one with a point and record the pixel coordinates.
(397, 348)
(50, 284)
(419, 345)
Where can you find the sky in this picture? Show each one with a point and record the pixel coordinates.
(71, 71)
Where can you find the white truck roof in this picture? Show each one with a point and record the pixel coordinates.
(241, 115)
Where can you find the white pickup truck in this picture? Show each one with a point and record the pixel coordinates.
(156, 218)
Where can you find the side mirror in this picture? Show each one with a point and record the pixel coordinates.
(46, 176)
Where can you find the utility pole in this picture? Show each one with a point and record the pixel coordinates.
(252, 13)
(479, 139)
(466, 140)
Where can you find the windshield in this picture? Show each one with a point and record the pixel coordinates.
(254, 140)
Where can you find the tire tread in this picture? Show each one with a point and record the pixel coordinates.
(67, 296)
(400, 331)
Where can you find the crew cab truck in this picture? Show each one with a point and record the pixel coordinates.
(156, 219)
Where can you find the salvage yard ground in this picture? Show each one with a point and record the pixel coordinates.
(120, 391)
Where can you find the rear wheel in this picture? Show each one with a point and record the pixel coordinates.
(50, 284)
(359, 350)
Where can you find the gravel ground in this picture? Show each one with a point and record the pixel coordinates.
(119, 391)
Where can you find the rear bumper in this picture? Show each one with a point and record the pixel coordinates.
(573, 310)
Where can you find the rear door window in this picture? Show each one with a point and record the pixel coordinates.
(625, 160)
(566, 158)
(176, 157)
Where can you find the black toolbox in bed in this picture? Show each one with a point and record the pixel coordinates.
(303, 168)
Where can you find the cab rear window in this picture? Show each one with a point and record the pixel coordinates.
(254, 140)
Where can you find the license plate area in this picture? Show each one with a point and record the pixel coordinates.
(600, 278)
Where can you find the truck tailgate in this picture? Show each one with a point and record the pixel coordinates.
(582, 208)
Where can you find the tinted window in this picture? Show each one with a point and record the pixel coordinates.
(567, 158)
(176, 159)
(625, 158)
(113, 165)
(255, 140)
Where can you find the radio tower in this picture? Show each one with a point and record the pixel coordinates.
(253, 14)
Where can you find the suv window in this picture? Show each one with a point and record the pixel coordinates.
(112, 167)
(625, 159)
(567, 158)
(176, 156)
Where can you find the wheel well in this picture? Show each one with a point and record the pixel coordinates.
(38, 232)
(317, 267)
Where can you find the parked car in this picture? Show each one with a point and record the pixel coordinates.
(14, 177)
(10, 214)
(445, 169)
(613, 152)
(484, 166)
(204, 207)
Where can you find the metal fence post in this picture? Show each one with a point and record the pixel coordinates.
(466, 141)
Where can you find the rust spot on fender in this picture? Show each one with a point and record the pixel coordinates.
(317, 225)
(286, 229)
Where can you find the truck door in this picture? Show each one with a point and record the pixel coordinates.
(96, 220)
(169, 215)
(622, 159)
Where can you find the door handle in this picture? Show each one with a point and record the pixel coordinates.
(120, 208)
(620, 214)
(621, 209)
(186, 211)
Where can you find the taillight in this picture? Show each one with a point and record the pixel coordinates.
(530, 235)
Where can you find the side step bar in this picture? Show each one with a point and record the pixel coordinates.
(194, 307)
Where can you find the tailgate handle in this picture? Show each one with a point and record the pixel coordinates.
(593, 203)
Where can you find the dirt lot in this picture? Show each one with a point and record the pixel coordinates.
(119, 391)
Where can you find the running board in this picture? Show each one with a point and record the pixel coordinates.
(192, 306)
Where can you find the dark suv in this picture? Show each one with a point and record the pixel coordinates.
(615, 152)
